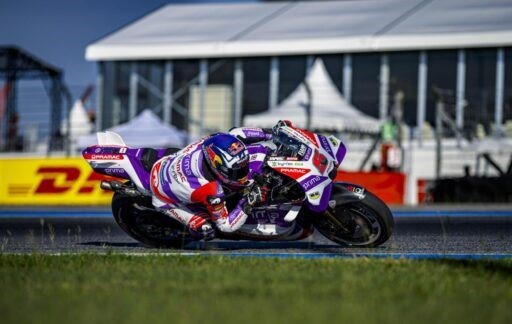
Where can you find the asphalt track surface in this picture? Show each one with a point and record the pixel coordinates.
(449, 232)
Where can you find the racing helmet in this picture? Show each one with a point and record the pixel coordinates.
(228, 158)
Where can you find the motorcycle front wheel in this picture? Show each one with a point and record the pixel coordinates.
(364, 223)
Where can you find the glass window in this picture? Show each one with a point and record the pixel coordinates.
(185, 75)
(256, 83)
(221, 71)
(121, 96)
(403, 76)
(292, 71)
(106, 95)
(116, 86)
(480, 88)
(442, 76)
(219, 99)
(507, 96)
(150, 87)
(334, 66)
(365, 82)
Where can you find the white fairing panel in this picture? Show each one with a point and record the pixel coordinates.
(292, 214)
(109, 138)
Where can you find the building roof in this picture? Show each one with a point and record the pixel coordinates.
(295, 28)
(23, 64)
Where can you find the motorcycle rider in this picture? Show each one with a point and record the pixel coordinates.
(191, 184)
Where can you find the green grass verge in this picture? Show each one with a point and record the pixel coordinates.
(163, 289)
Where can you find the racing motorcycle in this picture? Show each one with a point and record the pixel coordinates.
(298, 166)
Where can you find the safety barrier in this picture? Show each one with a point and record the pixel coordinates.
(388, 186)
(71, 181)
(50, 181)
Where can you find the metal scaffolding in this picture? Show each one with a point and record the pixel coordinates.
(16, 64)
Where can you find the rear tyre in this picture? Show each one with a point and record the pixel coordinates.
(138, 219)
(364, 223)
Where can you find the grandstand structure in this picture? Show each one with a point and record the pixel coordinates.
(15, 65)
(179, 58)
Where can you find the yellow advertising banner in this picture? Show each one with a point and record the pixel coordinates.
(50, 181)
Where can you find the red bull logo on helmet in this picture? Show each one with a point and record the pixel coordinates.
(216, 160)
(235, 148)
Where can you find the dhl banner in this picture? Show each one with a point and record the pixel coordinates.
(71, 181)
(50, 181)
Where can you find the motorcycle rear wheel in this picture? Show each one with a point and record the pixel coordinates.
(139, 220)
(364, 223)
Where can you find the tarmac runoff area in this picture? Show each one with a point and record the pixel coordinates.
(433, 232)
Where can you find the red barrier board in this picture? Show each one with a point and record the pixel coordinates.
(388, 186)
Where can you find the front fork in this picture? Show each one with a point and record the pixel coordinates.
(343, 193)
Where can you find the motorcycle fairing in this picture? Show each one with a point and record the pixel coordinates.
(314, 168)
(120, 162)
(270, 221)
(257, 154)
(114, 158)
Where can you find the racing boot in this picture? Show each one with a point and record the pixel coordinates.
(205, 232)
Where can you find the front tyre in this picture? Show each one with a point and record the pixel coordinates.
(364, 223)
(138, 219)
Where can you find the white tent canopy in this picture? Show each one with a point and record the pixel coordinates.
(78, 121)
(298, 28)
(145, 130)
(329, 110)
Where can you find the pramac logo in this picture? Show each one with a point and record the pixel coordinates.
(294, 173)
(89, 156)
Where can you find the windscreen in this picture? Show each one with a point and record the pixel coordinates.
(288, 146)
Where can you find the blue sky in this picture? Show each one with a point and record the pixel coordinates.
(57, 31)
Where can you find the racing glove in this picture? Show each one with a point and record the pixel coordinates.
(257, 196)
(281, 123)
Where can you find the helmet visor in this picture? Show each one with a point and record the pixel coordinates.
(237, 173)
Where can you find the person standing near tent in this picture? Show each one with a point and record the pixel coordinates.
(191, 184)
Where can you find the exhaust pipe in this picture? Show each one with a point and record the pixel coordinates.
(111, 185)
(105, 185)
(118, 186)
